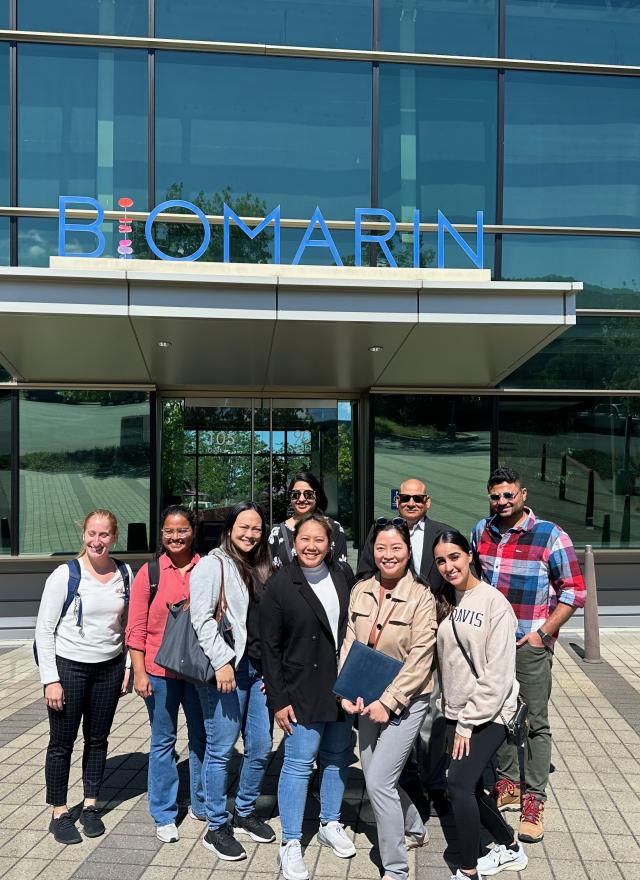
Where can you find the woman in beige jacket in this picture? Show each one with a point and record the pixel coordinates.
(394, 612)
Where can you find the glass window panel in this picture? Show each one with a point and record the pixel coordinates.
(5, 375)
(82, 126)
(4, 123)
(574, 30)
(598, 353)
(4, 241)
(444, 440)
(441, 27)
(5, 469)
(344, 24)
(454, 257)
(608, 267)
(580, 460)
(572, 150)
(4, 14)
(80, 450)
(438, 142)
(38, 241)
(127, 18)
(305, 130)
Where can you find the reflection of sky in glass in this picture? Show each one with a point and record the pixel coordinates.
(454, 27)
(344, 410)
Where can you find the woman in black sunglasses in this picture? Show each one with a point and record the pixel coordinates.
(306, 495)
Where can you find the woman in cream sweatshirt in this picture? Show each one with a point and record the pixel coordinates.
(476, 703)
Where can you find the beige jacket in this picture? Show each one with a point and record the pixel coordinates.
(409, 636)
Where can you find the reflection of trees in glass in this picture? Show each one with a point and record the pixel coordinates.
(181, 239)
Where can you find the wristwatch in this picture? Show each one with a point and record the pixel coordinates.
(547, 640)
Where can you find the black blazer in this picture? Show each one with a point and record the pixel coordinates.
(428, 568)
(299, 664)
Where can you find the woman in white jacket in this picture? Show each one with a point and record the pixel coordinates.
(477, 657)
(236, 702)
(80, 648)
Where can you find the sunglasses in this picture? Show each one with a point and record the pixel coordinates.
(169, 533)
(508, 496)
(397, 521)
(307, 494)
(405, 499)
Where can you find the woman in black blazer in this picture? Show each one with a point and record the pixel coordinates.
(303, 620)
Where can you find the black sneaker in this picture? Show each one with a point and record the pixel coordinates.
(222, 842)
(255, 827)
(91, 822)
(64, 830)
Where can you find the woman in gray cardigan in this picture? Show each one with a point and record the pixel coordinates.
(236, 702)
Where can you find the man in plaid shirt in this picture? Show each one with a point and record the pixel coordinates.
(533, 563)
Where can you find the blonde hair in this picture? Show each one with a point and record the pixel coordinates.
(106, 514)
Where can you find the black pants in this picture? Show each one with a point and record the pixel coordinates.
(91, 692)
(470, 805)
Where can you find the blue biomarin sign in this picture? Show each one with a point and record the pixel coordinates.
(317, 224)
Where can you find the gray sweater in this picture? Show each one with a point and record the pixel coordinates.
(486, 626)
(204, 586)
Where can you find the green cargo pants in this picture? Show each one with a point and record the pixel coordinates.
(533, 671)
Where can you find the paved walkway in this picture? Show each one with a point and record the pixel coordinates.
(592, 822)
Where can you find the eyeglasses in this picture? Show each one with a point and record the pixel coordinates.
(307, 494)
(419, 499)
(397, 521)
(508, 496)
(168, 533)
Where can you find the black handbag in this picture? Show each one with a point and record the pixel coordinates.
(518, 725)
(180, 651)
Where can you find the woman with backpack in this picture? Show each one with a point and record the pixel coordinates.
(163, 582)
(306, 495)
(80, 651)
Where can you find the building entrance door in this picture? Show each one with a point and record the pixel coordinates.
(219, 451)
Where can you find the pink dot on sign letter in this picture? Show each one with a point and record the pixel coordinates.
(124, 220)
(124, 228)
(125, 250)
(125, 202)
(125, 242)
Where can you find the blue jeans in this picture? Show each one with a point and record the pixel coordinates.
(329, 742)
(163, 704)
(225, 717)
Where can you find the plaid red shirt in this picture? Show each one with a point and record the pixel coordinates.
(533, 564)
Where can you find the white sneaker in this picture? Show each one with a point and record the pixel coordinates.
(167, 833)
(416, 842)
(196, 817)
(290, 861)
(333, 835)
(460, 875)
(501, 858)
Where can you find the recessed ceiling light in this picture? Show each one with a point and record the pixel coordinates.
(375, 348)
(164, 344)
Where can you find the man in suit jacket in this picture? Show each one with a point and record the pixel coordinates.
(413, 503)
(429, 767)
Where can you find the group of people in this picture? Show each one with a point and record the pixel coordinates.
(471, 622)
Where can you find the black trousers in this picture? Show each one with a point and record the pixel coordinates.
(470, 804)
(91, 692)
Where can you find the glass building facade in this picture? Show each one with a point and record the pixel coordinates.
(524, 109)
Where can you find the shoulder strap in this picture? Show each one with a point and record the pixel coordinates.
(384, 623)
(153, 572)
(461, 646)
(73, 583)
(124, 573)
(222, 599)
(284, 531)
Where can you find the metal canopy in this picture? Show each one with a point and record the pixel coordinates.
(267, 328)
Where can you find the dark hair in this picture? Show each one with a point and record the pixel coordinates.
(177, 510)
(504, 475)
(322, 520)
(254, 565)
(307, 477)
(393, 526)
(445, 595)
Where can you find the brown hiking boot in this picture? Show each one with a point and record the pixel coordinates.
(507, 796)
(531, 829)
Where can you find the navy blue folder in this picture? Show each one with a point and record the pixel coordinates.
(366, 673)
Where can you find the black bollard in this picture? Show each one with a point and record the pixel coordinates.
(543, 464)
(606, 528)
(588, 516)
(625, 531)
(562, 486)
